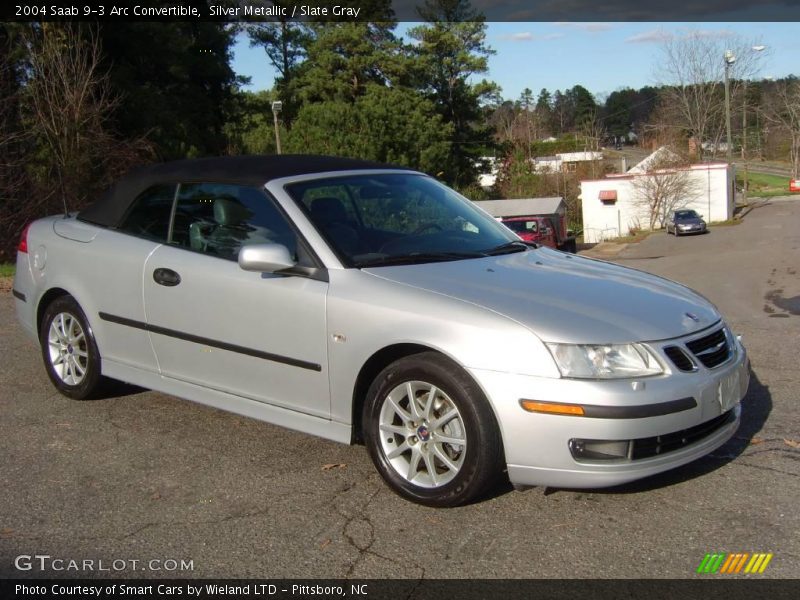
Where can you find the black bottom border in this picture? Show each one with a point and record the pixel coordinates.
(710, 587)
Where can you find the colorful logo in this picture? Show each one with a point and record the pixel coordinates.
(735, 562)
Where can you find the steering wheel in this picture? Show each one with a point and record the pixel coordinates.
(425, 227)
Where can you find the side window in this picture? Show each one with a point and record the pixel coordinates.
(219, 219)
(149, 214)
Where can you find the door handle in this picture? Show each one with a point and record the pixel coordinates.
(166, 277)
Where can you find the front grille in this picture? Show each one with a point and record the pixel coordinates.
(678, 356)
(661, 444)
(711, 350)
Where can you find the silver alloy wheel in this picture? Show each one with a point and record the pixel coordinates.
(67, 348)
(422, 434)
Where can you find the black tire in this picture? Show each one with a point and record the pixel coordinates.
(481, 462)
(83, 352)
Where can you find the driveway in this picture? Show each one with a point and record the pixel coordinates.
(144, 476)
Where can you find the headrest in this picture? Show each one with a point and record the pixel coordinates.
(328, 209)
(230, 212)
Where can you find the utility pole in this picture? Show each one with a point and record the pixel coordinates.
(758, 48)
(729, 60)
(276, 108)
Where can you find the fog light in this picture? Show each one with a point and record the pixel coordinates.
(599, 449)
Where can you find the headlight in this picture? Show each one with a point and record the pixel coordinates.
(605, 361)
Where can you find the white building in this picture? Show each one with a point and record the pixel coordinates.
(487, 180)
(565, 161)
(612, 206)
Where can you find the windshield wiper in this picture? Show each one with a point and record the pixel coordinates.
(510, 247)
(417, 258)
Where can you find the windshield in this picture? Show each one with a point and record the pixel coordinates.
(686, 214)
(376, 219)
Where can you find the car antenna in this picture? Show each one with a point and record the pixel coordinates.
(63, 196)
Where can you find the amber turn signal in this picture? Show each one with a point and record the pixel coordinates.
(552, 408)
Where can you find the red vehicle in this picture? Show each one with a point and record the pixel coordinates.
(540, 220)
(542, 230)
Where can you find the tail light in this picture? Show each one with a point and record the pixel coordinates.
(23, 240)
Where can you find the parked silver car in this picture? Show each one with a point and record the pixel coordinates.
(680, 222)
(362, 302)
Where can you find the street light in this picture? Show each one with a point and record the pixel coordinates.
(729, 60)
(277, 105)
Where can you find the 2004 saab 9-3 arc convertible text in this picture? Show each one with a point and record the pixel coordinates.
(359, 301)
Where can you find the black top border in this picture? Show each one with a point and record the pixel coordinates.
(568, 11)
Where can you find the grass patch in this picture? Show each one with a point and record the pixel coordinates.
(632, 238)
(727, 223)
(764, 185)
(7, 269)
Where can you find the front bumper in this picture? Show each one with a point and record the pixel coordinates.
(537, 446)
(690, 228)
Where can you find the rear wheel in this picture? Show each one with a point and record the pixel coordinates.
(431, 432)
(69, 351)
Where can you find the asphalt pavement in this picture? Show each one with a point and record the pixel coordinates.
(146, 477)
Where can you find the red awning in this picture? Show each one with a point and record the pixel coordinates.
(606, 195)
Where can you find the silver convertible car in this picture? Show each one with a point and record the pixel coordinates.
(368, 303)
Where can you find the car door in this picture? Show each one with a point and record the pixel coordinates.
(118, 257)
(257, 335)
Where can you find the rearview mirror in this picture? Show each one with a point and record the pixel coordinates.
(265, 258)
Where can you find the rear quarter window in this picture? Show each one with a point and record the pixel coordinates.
(149, 214)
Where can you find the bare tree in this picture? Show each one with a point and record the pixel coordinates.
(503, 120)
(593, 131)
(66, 103)
(665, 186)
(662, 129)
(691, 70)
(56, 147)
(782, 108)
(15, 184)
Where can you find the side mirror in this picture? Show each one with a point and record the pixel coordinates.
(265, 258)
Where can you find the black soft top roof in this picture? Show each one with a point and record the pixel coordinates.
(111, 207)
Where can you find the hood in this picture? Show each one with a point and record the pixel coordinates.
(566, 298)
(690, 221)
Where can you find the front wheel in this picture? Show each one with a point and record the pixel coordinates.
(69, 350)
(431, 432)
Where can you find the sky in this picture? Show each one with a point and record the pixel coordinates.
(602, 57)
